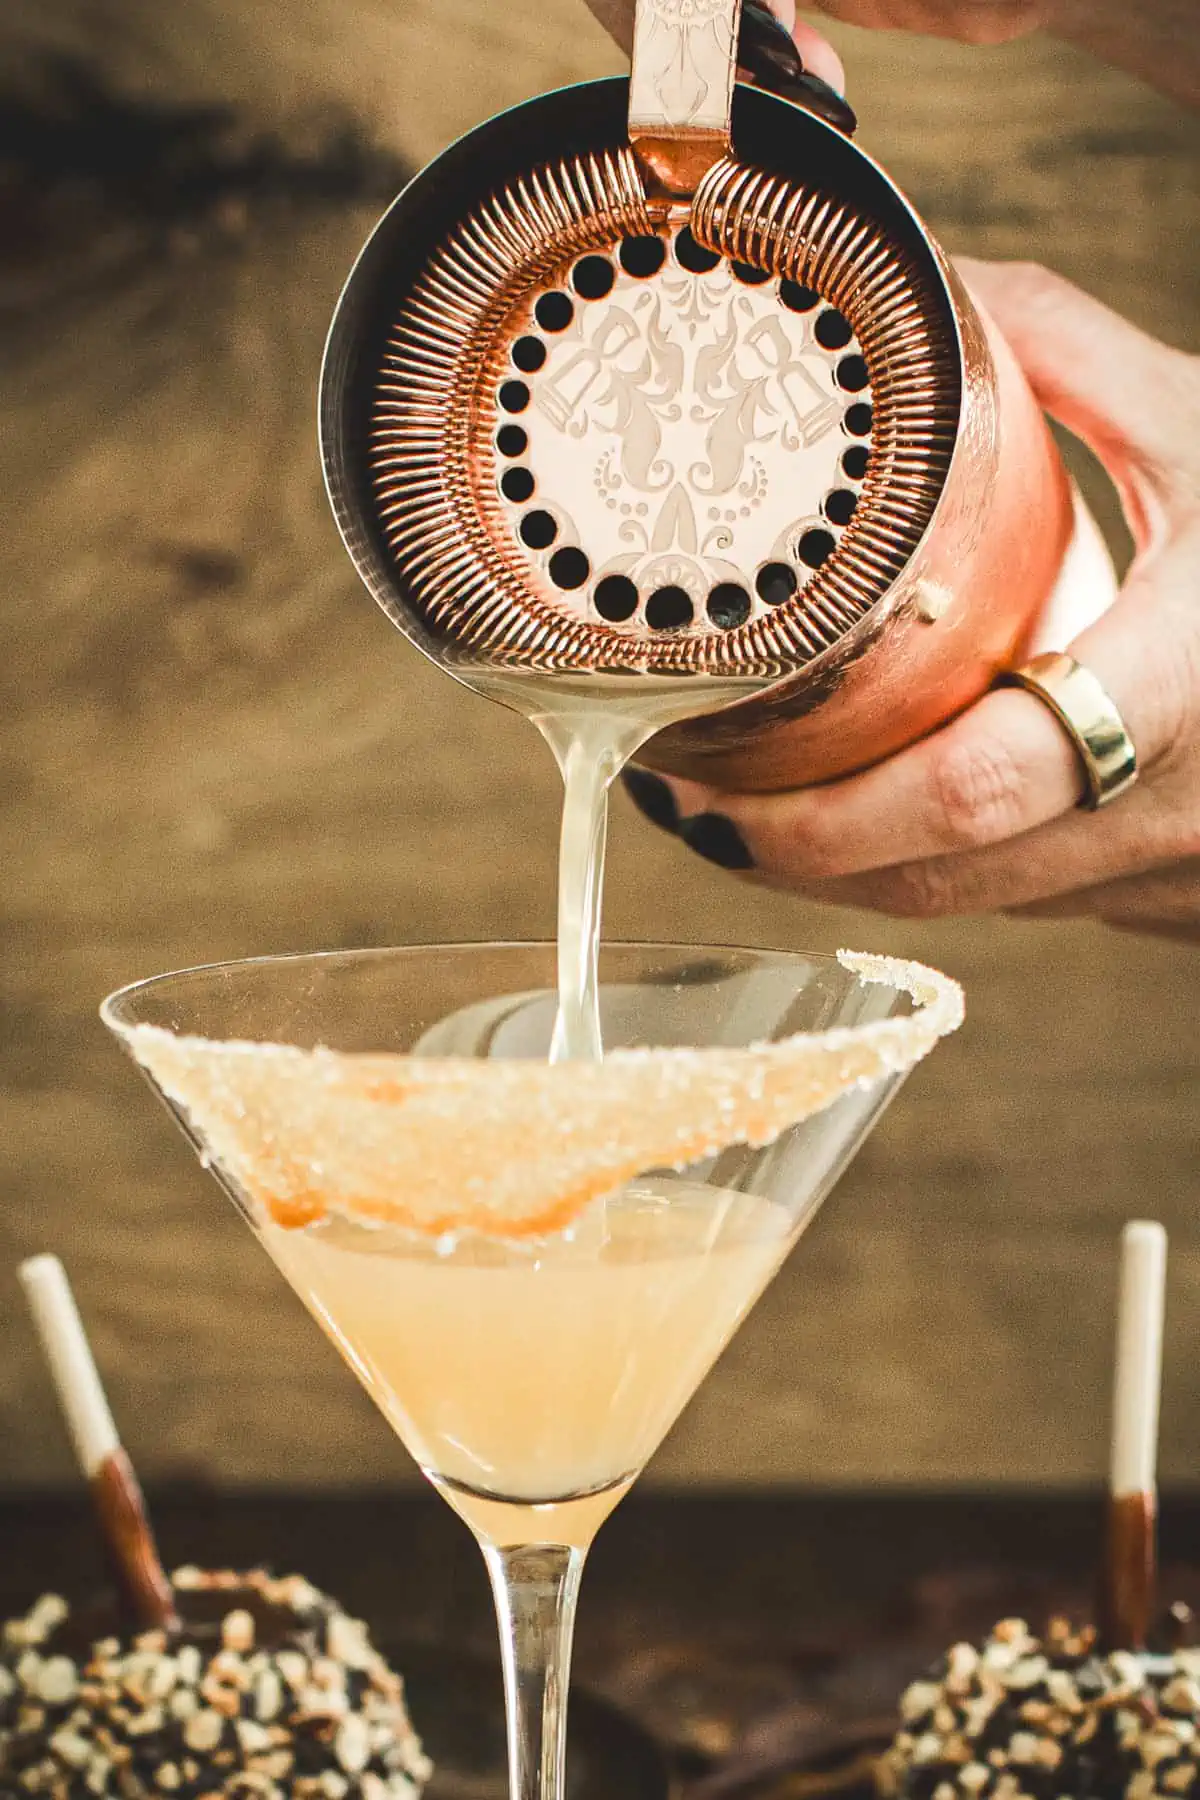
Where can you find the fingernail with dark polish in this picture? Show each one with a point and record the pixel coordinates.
(652, 797)
(767, 51)
(717, 839)
(826, 102)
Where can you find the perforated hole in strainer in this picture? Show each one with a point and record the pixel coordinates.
(703, 446)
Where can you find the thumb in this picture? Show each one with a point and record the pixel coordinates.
(1134, 401)
(816, 52)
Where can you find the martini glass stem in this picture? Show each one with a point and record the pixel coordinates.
(536, 1587)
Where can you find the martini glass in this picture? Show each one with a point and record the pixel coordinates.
(530, 1267)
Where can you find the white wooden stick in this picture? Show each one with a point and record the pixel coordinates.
(67, 1351)
(1139, 1359)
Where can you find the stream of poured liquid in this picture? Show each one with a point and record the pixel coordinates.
(591, 751)
(593, 733)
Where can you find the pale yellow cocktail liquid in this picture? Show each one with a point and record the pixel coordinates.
(541, 1373)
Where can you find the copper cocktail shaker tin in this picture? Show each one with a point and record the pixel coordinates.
(664, 383)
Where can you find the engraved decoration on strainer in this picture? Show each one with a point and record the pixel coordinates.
(682, 430)
(512, 405)
(684, 64)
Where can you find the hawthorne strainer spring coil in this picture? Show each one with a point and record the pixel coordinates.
(666, 379)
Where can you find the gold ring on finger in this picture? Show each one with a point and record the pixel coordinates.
(1088, 715)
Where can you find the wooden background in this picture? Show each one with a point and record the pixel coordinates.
(212, 745)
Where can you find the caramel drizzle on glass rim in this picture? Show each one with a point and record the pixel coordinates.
(510, 1147)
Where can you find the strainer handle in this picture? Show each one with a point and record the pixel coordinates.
(681, 89)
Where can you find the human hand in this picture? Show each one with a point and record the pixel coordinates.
(971, 21)
(982, 816)
(1158, 40)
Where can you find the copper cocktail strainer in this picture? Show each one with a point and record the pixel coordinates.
(613, 392)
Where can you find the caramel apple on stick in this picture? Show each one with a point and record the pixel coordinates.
(1129, 1572)
(115, 1491)
(1077, 1714)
